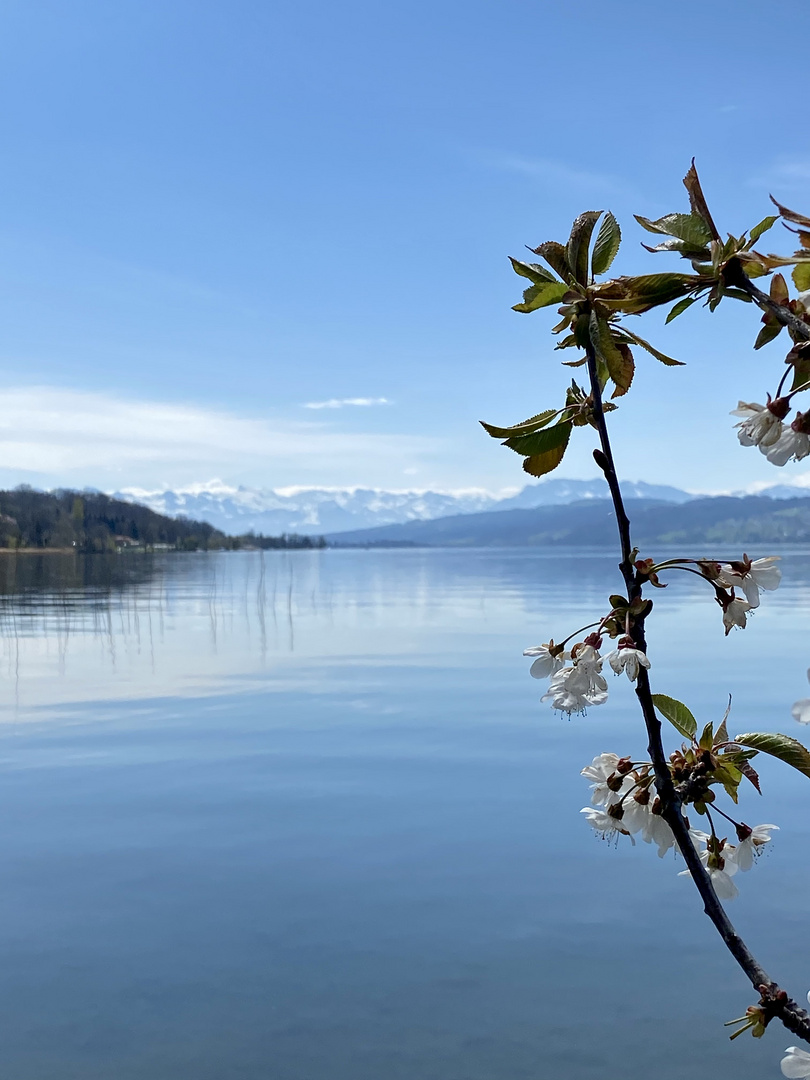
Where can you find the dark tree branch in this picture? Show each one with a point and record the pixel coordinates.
(734, 274)
(795, 1019)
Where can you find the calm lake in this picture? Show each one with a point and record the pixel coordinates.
(302, 816)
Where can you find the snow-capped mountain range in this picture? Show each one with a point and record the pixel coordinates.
(312, 511)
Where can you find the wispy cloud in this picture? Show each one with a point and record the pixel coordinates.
(339, 403)
(784, 174)
(51, 436)
(555, 172)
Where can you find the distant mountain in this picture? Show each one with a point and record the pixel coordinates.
(723, 522)
(563, 492)
(781, 491)
(313, 511)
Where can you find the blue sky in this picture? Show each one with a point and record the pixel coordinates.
(216, 214)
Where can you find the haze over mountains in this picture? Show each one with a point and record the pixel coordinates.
(317, 511)
(313, 511)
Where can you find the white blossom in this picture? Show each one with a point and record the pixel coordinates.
(751, 577)
(801, 709)
(720, 868)
(635, 815)
(790, 444)
(748, 848)
(796, 1063)
(735, 613)
(601, 768)
(573, 689)
(629, 660)
(604, 823)
(656, 831)
(547, 662)
(611, 787)
(758, 427)
(721, 879)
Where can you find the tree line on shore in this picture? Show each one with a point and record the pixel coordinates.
(91, 522)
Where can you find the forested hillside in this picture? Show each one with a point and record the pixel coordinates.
(93, 522)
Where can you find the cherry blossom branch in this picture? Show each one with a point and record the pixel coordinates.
(735, 275)
(774, 1000)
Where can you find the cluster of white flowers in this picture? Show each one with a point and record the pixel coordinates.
(724, 863)
(576, 679)
(575, 687)
(624, 802)
(576, 675)
(763, 426)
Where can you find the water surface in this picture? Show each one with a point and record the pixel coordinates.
(302, 816)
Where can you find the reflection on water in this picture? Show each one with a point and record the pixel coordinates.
(300, 815)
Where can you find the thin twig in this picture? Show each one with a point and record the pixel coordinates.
(795, 1019)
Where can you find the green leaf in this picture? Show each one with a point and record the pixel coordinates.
(555, 256)
(607, 244)
(578, 242)
(668, 360)
(706, 740)
(656, 284)
(779, 291)
(540, 464)
(677, 713)
(635, 295)
(680, 307)
(801, 276)
(525, 427)
(538, 296)
(738, 294)
(729, 776)
(540, 442)
(791, 215)
(750, 773)
(690, 228)
(783, 747)
(689, 251)
(769, 331)
(618, 361)
(697, 200)
(754, 269)
(763, 227)
(721, 735)
(801, 372)
(534, 272)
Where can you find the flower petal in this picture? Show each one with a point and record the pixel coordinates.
(796, 1063)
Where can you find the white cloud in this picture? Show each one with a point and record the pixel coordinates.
(338, 403)
(52, 436)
